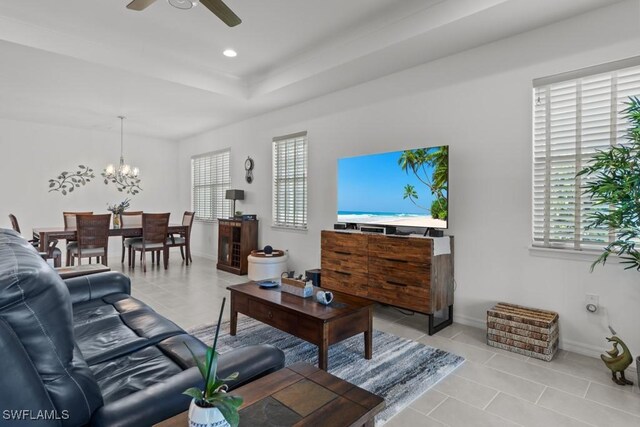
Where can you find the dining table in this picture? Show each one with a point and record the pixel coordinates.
(45, 234)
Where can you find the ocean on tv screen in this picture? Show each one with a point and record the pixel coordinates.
(388, 218)
(402, 188)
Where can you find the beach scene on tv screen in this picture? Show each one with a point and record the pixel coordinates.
(402, 188)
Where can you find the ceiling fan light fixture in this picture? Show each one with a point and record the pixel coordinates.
(183, 4)
(230, 53)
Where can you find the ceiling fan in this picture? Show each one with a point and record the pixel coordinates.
(218, 8)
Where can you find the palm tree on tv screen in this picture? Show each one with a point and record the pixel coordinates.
(418, 162)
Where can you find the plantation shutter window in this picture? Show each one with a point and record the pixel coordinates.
(575, 115)
(211, 177)
(290, 181)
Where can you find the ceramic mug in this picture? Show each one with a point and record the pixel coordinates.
(324, 297)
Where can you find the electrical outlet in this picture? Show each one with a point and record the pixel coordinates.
(592, 303)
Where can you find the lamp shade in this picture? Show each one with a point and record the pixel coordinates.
(234, 195)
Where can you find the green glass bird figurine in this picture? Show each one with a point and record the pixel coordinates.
(618, 362)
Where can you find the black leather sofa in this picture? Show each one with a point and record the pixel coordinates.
(85, 352)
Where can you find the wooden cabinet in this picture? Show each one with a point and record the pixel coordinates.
(395, 270)
(236, 240)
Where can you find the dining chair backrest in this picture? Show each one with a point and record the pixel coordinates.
(70, 218)
(154, 228)
(14, 223)
(131, 219)
(187, 219)
(93, 230)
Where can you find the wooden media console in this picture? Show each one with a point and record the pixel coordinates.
(401, 271)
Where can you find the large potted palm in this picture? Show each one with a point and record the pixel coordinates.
(613, 183)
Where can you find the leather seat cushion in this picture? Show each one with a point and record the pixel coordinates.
(72, 244)
(133, 372)
(103, 332)
(107, 338)
(132, 240)
(87, 252)
(148, 246)
(176, 241)
(110, 305)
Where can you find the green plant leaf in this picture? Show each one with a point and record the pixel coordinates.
(212, 386)
(235, 401)
(231, 377)
(229, 412)
(194, 392)
(199, 364)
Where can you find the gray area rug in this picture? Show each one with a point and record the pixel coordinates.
(400, 370)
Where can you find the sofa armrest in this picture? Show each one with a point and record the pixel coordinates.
(251, 362)
(151, 405)
(94, 286)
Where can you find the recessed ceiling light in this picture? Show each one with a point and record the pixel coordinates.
(230, 53)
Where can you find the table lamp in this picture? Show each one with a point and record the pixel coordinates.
(234, 195)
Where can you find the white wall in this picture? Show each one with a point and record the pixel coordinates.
(31, 154)
(479, 103)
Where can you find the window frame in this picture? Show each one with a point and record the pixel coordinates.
(613, 132)
(276, 220)
(218, 210)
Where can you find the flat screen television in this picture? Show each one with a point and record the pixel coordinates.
(407, 188)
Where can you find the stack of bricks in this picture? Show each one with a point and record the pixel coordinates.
(523, 330)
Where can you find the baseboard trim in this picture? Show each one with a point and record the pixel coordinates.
(568, 345)
(204, 255)
(581, 348)
(469, 321)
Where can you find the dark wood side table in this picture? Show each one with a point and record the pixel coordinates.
(322, 325)
(301, 395)
(236, 240)
(81, 270)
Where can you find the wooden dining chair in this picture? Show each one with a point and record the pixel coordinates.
(51, 252)
(154, 239)
(93, 238)
(130, 220)
(70, 223)
(180, 239)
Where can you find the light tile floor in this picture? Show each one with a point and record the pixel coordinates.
(492, 388)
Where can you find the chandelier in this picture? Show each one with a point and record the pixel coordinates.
(124, 176)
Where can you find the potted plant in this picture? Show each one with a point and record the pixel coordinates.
(213, 407)
(613, 182)
(117, 209)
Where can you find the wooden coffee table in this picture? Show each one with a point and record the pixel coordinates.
(301, 395)
(305, 318)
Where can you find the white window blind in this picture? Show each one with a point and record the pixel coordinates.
(572, 120)
(211, 178)
(290, 181)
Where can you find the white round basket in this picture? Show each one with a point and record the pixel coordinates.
(267, 267)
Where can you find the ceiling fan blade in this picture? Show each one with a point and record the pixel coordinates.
(222, 11)
(139, 4)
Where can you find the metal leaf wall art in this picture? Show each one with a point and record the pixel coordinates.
(67, 182)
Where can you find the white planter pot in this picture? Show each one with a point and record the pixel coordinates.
(205, 417)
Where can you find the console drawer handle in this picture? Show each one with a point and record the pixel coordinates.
(270, 314)
(391, 282)
(404, 261)
(343, 273)
(343, 253)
